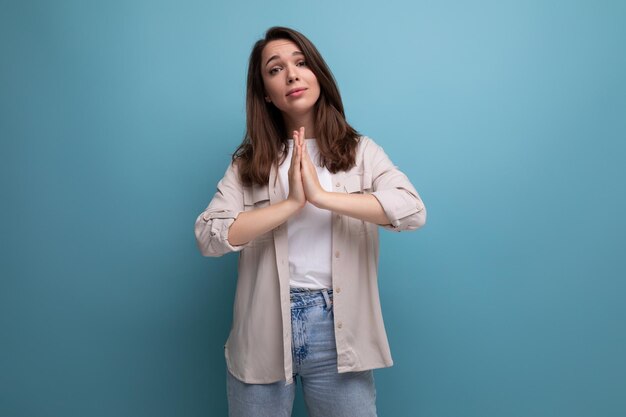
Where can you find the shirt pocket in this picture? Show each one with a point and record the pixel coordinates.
(256, 197)
(357, 183)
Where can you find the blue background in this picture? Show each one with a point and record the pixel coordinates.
(118, 118)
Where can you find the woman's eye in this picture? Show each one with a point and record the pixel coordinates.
(275, 69)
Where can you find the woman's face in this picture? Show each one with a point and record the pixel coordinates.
(284, 69)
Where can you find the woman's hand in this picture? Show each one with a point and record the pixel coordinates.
(296, 189)
(310, 181)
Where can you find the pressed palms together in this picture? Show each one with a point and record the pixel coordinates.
(304, 185)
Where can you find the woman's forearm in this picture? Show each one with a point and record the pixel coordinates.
(250, 224)
(361, 206)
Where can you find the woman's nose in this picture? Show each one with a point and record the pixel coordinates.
(292, 74)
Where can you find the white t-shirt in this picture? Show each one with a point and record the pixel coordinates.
(309, 231)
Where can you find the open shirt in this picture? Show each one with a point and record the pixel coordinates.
(258, 349)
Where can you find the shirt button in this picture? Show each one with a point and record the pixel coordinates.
(338, 290)
(337, 254)
(338, 185)
(339, 325)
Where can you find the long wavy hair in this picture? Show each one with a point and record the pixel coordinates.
(265, 140)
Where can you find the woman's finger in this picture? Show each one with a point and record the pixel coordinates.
(300, 150)
(295, 143)
(305, 153)
(302, 141)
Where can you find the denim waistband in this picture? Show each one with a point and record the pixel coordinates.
(304, 297)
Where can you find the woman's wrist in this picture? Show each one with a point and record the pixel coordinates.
(292, 206)
(321, 199)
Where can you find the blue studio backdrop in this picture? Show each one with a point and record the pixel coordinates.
(118, 118)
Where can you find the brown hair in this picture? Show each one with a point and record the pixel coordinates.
(265, 139)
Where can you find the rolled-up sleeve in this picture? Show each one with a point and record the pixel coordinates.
(211, 227)
(399, 199)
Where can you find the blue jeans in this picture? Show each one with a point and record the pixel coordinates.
(327, 393)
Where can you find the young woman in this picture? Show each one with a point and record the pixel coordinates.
(301, 201)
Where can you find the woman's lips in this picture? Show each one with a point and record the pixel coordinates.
(297, 93)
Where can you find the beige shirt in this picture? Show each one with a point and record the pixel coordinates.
(258, 349)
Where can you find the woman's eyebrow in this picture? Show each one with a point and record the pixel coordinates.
(276, 56)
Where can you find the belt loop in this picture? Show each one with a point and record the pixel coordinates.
(326, 299)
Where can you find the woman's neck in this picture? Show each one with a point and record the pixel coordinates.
(296, 124)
